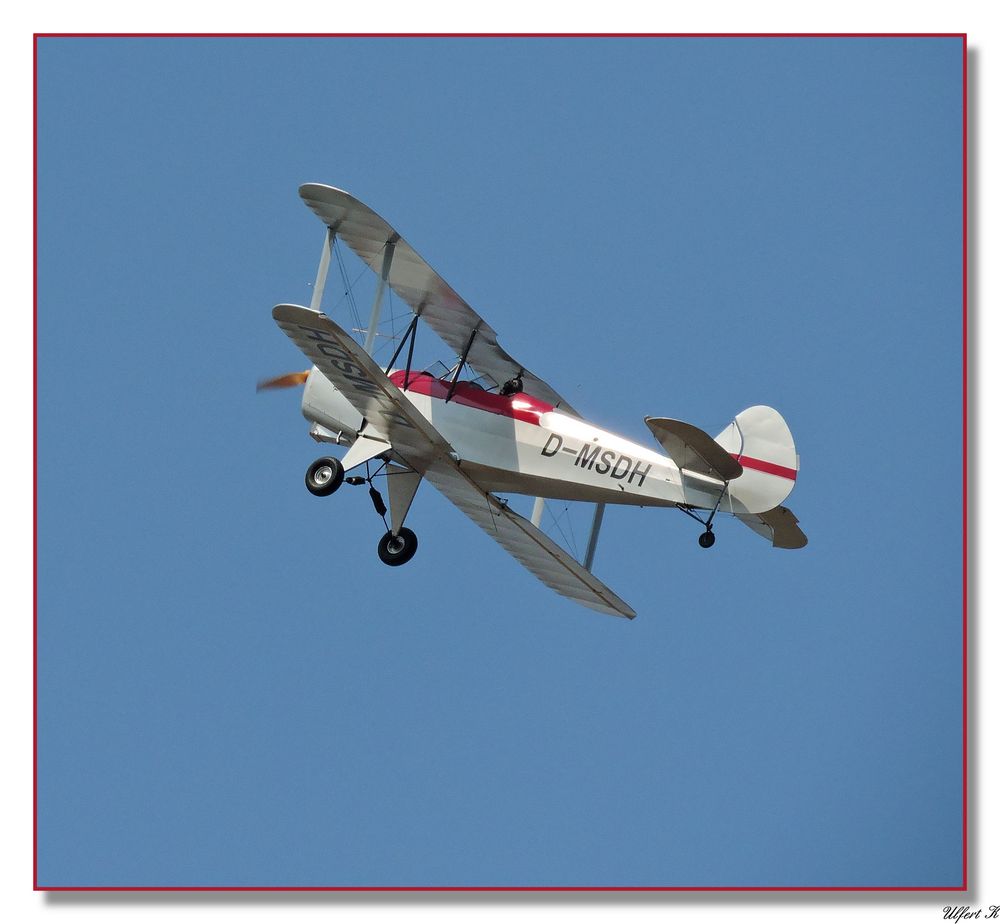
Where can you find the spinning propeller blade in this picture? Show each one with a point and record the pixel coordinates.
(290, 380)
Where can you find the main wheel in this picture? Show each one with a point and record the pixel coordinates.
(707, 539)
(399, 549)
(324, 476)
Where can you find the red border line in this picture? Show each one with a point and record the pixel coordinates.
(965, 676)
(639, 35)
(965, 462)
(34, 463)
(501, 889)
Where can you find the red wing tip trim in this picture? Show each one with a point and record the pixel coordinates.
(769, 468)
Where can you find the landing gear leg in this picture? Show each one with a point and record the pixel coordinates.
(707, 539)
(399, 544)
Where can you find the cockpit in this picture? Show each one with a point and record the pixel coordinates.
(472, 390)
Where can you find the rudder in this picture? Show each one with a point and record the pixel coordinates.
(759, 439)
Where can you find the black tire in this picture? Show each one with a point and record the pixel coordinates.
(707, 539)
(397, 550)
(324, 476)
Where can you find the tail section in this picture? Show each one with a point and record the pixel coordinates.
(759, 439)
(779, 526)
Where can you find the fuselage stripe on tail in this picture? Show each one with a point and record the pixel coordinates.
(768, 468)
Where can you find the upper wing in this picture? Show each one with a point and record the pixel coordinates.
(421, 288)
(363, 383)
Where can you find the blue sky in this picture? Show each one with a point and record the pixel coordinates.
(234, 690)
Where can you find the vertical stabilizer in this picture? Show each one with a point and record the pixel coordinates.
(759, 439)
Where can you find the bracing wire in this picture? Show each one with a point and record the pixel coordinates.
(392, 315)
(348, 285)
(572, 533)
(570, 541)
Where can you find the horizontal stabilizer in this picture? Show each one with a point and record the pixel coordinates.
(694, 449)
(779, 525)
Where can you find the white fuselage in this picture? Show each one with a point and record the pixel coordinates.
(519, 445)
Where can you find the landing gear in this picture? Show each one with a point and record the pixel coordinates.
(398, 549)
(707, 539)
(324, 476)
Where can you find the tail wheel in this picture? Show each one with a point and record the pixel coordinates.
(707, 539)
(324, 476)
(398, 549)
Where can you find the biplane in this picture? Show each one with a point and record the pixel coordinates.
(488, 427)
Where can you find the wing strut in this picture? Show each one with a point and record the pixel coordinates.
(409, 334)
(324, 266)
(536, 511)
(595, 531)
(461, 365)
(383, 277)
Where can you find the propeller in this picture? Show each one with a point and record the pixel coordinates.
(289, 380)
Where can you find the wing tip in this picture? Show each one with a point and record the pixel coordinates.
(322, 192)
(286, 310)
(621, 608)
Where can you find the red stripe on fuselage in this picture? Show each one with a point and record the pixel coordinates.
(520, 406)
(524, 407)
(767, 467)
